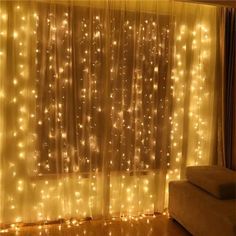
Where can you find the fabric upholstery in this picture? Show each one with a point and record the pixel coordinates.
(218, 181)
(199, 212)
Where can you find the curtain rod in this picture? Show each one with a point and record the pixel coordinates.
(230, 3)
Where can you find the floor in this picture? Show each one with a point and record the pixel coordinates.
(158, 225)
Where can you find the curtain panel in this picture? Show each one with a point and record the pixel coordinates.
(102, 103)
(229, 87)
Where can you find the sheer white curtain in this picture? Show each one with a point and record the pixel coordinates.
(194, 88)
(102, 103)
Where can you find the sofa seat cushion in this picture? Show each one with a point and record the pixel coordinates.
(199, 212)
(218, 181)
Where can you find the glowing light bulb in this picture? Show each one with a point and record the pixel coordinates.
(4, 17)
(15, 34)
(15, 82)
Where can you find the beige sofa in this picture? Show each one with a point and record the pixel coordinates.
(205, 203)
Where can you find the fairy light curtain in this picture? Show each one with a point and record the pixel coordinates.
(194, 88)
(102, 103)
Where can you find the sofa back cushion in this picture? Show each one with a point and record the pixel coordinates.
(218, 181)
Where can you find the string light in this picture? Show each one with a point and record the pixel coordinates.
(196, 130)
(49, 143)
